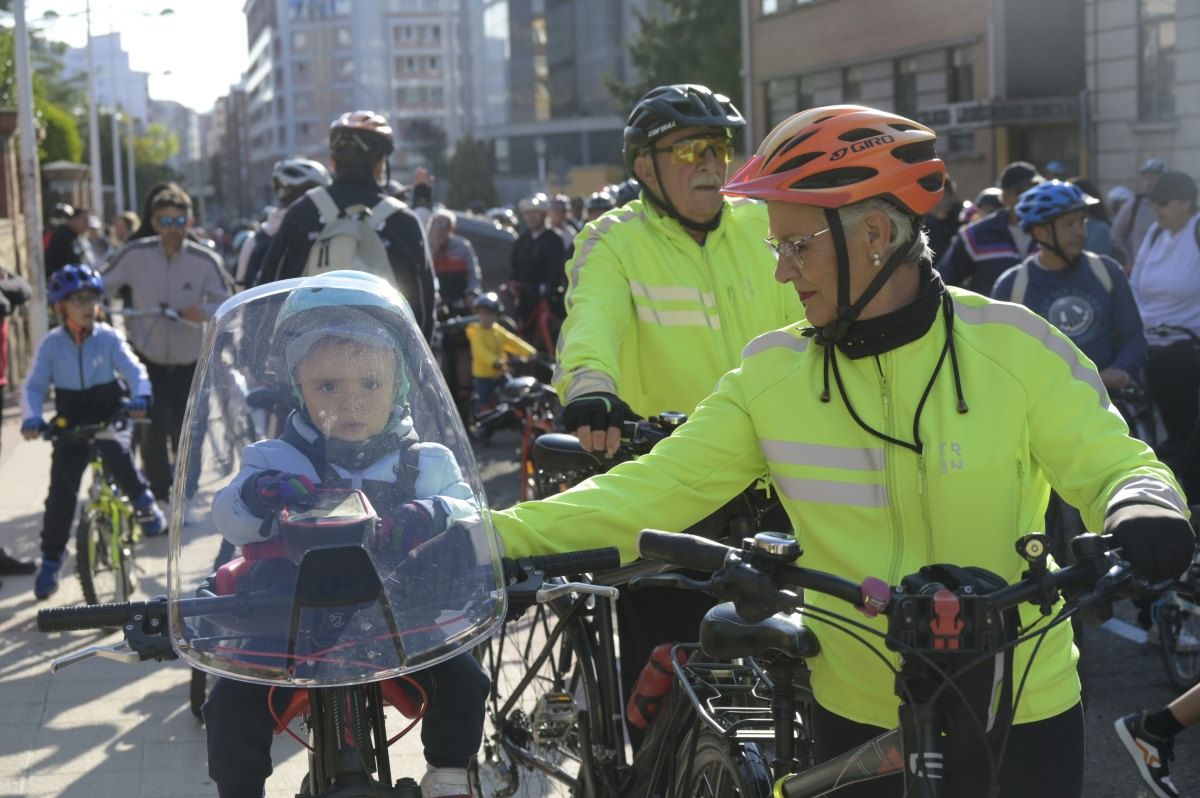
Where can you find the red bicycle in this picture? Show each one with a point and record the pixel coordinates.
(529, 406)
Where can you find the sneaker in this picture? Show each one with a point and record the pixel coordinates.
(149, 516)
(46, 581)
(191, 512)
(445, 783)
(11, 566)
(1151, 754)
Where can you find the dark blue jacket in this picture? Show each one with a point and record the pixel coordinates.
(980, 253)
(1097, 313)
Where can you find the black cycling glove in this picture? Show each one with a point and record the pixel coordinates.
(1157, 541)
(599, 411)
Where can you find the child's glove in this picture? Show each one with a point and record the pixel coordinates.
(409, 525)
(267, 492)
(33, 427)
(139, 405)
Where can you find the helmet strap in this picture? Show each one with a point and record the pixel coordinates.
(665, 205)
(1056, 248)
(849, 312)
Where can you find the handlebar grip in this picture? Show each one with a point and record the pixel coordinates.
(578, 562)
(84, 616)
(686, 551)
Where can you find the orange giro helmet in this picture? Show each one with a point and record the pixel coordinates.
(842, 154)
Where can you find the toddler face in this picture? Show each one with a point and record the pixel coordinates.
(349, 389)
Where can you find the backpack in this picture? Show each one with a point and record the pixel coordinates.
(1021, 283)
(350, 236)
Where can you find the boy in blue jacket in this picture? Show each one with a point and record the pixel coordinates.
(86, 361)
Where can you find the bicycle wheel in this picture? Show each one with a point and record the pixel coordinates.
(719, 771)
(1179, 636)
(101, 562)
(545, 717)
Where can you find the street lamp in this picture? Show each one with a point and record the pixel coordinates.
(30, 177)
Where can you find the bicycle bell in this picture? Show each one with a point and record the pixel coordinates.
(776, 544)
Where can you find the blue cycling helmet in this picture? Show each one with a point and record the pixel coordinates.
(1049, 200)
(71, 279)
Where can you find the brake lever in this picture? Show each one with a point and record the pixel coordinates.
(554, 591)
(673, 580)
(121, 652)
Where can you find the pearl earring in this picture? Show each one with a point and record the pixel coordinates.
(875, 259)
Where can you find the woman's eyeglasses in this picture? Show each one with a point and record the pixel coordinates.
(792, 248)
(690, 151)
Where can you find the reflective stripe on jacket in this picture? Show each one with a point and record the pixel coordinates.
(656, 318)
(1038, 417)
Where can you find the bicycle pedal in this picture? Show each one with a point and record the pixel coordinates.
(554, 716)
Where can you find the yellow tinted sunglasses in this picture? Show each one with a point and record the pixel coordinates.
(690, 151)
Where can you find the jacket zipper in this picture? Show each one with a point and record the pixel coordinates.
(897, 527)
(82, 381)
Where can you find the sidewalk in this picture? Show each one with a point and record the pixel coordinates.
(101, 729)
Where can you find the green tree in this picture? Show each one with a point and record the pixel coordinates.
(61, 140)
(470, 174)
(696, 41)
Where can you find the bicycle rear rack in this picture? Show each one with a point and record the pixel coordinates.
(732, 699)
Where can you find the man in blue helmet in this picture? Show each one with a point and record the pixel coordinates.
(1083, 294)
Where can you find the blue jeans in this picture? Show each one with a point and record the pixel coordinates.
(485, 391)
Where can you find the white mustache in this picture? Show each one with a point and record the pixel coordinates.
(706, 181)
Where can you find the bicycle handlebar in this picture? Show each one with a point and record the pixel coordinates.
(88, 616)
(740, 573)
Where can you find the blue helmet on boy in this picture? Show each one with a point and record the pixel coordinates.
(71, 279)
(1049, 200)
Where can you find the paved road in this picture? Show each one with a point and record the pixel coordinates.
(103, 730)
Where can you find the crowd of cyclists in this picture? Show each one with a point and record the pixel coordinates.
(870, 370)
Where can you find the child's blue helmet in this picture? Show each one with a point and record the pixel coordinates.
(71, 279)
(1049, 200)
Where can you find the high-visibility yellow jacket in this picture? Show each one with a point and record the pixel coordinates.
(1038, 417)
(654, 317)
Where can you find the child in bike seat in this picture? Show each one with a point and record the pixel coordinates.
(351, 427)
(94, 374)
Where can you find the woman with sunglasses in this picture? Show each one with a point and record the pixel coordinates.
(662, 295)
(167, 270)
(903, 424)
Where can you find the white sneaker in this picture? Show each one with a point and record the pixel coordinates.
(192, 512)
(445, 783)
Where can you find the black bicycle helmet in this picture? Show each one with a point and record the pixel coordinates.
(669, 108)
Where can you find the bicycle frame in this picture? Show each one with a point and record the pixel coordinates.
(110, 502)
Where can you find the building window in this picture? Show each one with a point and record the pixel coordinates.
(960, 74)
(852, 84)
(345, 69)
(299, 72)
(775, 6)
(960, 142)
(786, 96)
(344, 37)
(904, 85)
(1156, 67)
(299, 40)
(303, 130)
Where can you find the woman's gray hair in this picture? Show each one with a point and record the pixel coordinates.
(852, 219)
(444, 213)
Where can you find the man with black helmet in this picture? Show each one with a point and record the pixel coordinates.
(359, 144)
(662, 296)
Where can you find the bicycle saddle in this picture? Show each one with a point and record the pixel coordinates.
(518, 388)
(725, 635)
(558, 452)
